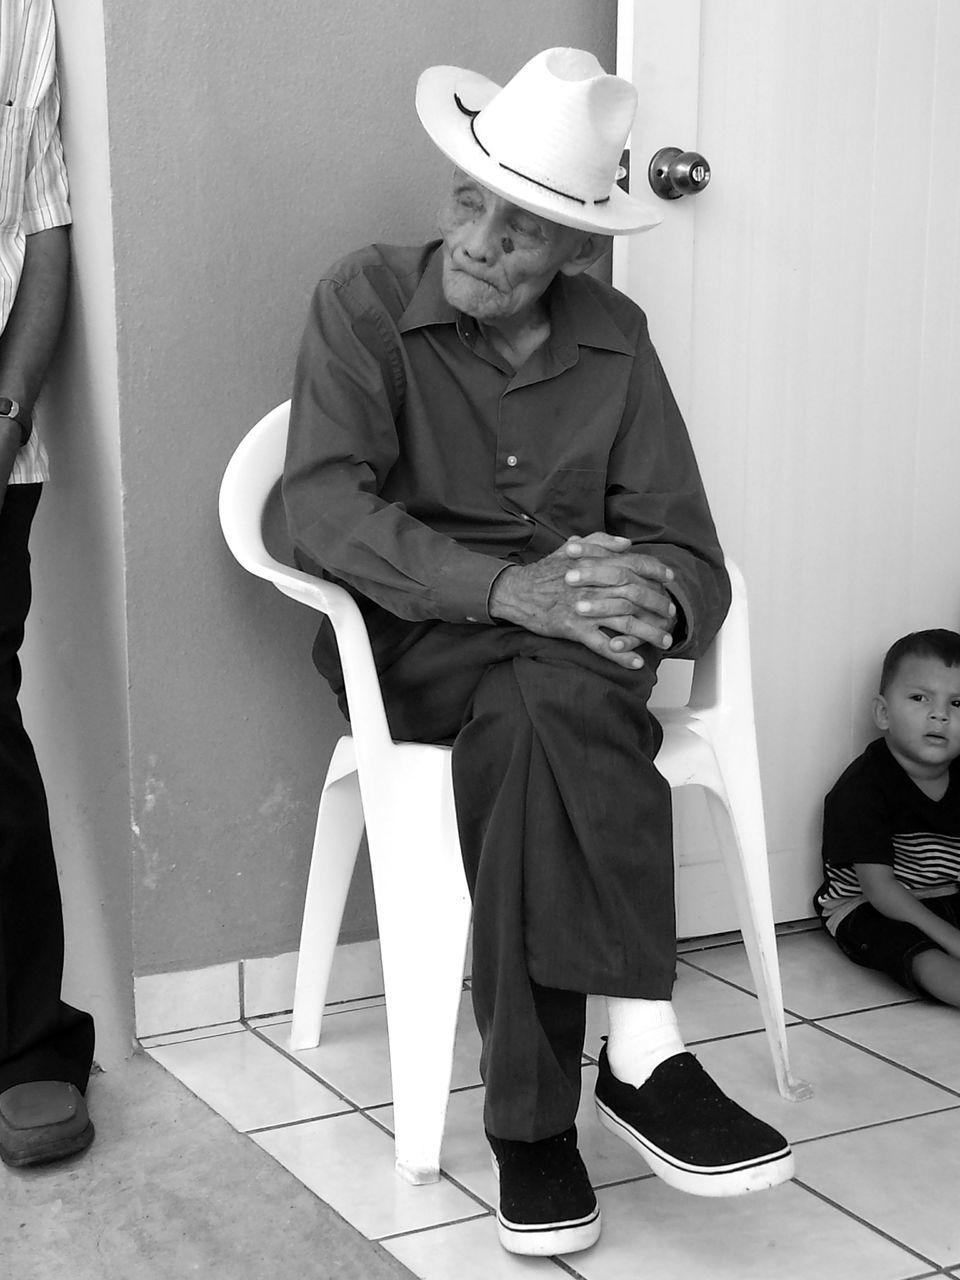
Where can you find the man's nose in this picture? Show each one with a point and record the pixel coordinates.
(480, 243)
(938, 712)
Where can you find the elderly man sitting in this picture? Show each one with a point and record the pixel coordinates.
(484, 449)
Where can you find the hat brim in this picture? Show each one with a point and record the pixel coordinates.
(449, 127)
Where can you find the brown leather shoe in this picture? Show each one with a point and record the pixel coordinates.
(42, 1121)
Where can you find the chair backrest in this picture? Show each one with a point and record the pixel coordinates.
(248, 482)
(721, 677)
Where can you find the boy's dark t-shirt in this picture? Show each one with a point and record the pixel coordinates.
(876, 813)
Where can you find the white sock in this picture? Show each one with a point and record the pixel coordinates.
(643, 1033)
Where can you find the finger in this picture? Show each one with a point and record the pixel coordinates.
(598, 640)
(608, 570)
(632, 598)
(644, 629)
(617, 648)
(597, 544)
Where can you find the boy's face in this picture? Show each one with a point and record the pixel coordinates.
(920, 713)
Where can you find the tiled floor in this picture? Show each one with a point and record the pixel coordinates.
(878, 1145)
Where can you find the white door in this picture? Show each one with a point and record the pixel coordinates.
(806, 306)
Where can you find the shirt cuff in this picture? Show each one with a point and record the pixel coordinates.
(45, 218)
(466, 580)
(681, 629)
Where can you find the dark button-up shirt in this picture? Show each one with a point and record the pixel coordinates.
(420, 463)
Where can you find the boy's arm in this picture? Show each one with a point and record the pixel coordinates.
(894, 900)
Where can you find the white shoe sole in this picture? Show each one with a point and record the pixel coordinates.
(724, 1180)
(551, 1238)
(547, 1239)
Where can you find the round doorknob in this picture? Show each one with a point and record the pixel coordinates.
(674, 173)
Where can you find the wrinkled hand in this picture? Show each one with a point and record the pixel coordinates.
(595, 590)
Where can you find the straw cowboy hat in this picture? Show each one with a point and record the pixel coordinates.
(549, 141)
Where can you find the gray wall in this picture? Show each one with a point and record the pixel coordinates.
(250, 144)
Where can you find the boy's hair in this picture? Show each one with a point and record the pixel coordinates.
(938, 643)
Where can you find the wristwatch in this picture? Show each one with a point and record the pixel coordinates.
(11, 409)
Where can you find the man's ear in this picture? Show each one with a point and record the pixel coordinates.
(881, 717)
(590, 249)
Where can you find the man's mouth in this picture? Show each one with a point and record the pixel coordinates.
(487, 284)
(474, 277)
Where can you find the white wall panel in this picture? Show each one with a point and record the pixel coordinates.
(822, 359)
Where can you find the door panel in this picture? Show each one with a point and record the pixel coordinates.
(806, 309)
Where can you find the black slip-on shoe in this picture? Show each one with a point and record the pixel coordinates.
(42, 1121)
(690, 1133)
(547, 1205)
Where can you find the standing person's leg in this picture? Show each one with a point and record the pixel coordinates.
(41, 1038)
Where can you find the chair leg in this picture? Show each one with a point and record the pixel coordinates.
(424, 920)
(335, 847)
(745, 855)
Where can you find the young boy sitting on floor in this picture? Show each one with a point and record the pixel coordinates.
(891, 826)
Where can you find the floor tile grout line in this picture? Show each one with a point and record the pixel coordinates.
(284, 1053)
(848, 1213)
(867, 1008)
(257, 1129)
(377, 1000)
(431, 1226)
(873, 1124)
(890, 1062)
(792, 1013)
(228, 1029)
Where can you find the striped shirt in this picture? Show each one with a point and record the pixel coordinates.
(33, 177)
(877, 814)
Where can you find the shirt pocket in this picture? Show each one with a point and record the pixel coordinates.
(16, 128)
(575, 500)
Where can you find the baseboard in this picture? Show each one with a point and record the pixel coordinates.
(191, 998)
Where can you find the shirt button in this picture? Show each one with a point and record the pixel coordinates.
(511, 459)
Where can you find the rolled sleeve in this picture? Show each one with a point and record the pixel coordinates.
(46, 199)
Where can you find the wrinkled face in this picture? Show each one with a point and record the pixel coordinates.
(499, 259)
(920, 712)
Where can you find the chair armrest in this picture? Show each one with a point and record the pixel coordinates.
(367, 714)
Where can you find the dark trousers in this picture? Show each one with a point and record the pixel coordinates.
(565, 827)
(41, 1038)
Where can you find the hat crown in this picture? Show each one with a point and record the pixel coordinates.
(562, 122)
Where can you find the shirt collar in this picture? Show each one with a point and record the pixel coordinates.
(428, 305)
(576, 316)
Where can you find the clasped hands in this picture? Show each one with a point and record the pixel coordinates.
(596, 590)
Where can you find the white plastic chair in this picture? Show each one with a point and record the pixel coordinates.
(402, 793)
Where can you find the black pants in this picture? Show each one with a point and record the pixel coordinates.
(41, 1038)
(565, 826)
